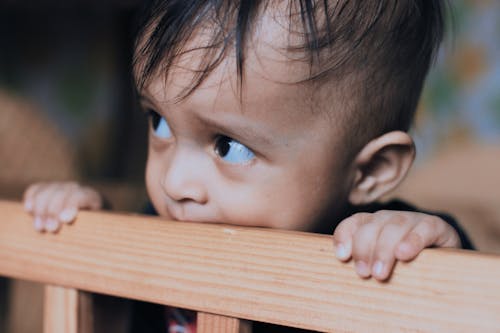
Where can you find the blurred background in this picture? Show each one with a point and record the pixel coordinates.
(67, 108)
(67, 111)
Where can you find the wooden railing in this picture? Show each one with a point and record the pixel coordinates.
(232, 274)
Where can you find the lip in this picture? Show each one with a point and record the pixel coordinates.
(174, 213)
(188, 212)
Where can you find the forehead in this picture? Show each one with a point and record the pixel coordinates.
(266, 59)
(269, 95)
(210, 45)
(273, 79)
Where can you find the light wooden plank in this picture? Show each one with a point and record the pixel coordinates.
(211, 323)
(85, 313)
(287, 278)
(60, 310)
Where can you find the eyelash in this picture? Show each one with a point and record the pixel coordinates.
(232, 151)
(151, 114)
(159, 125)
(226, 148)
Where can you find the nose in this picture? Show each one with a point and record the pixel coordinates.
(184, 177)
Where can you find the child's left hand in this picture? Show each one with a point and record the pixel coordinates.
(376, 240)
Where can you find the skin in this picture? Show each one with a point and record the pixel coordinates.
(302, 174)
(296, 162)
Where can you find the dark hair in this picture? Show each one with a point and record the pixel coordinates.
(387, 44)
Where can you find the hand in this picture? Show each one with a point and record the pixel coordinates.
(376, 240)
(53, 204)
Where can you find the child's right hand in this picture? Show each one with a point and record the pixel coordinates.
(53, 204)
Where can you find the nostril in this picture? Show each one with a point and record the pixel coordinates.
(188, 200)
(185, 190)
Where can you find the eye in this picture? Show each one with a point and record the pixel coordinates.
(232, 151)
(160, 126)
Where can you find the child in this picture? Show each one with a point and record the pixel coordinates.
(282, 114)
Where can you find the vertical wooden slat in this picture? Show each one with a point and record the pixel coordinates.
(60, 312)
(211, 323)
(85, 319)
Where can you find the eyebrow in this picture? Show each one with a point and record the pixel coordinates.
(145, 99)
(238, 131)
(233, 130)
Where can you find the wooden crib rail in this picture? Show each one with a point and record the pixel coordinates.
(287, 278)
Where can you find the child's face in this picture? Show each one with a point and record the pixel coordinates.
(275, 158)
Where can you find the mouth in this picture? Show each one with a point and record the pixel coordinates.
(175, 213)
(188, 212)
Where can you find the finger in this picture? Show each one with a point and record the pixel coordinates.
(78, 198)
(38, 223)
(29, 195)
(49, 202)
(68, 215)
(384, 256)
(57, 200)
(430, 231)
(56, 206)
(41, 201)
(342, 237)
(75, 200)
(52, 225)
(39, 197)
(93, 199)
(364, 243)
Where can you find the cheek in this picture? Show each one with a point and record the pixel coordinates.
(153, 186)
(151, 175)
(279, 202)
(300, 199)
(296, 208)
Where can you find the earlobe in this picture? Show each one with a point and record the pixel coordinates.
(380, 166)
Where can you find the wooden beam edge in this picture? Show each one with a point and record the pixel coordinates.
(281, 277)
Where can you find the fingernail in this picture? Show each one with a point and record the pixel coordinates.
(28, 206)
(38, 224)
(67, 215)
(341, 252)
(362, 269)
(51, 225)
(378, 268)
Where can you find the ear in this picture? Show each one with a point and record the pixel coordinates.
(380, 166)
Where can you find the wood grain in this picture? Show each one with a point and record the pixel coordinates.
(287, 278)
(60, 310)
(210, 323)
